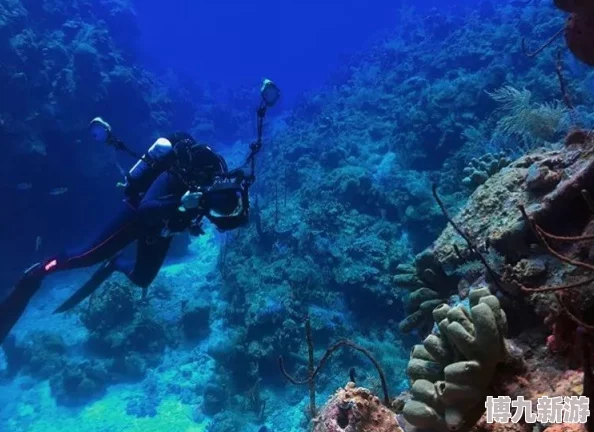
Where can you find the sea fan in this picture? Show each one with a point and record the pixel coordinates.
(534, 124)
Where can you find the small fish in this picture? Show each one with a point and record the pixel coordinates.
(59, 191)
(24, 186)
(38, 241)
(38, 147)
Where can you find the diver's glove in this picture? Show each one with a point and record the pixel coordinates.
(190, 201)
(131, 188)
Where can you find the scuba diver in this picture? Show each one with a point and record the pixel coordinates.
(171, 189)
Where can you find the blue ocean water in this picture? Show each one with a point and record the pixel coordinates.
(379, 100)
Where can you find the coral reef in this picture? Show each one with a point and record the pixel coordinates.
(355, 409)
(215, 398)
(346, 230)
(195, 318)
(480, 169)
(550, 187)
(118, 327)
(346, 196)
(420, 302)
(452, 371)
(41, 357)
(124, 339)
(79, 383)
(546, 183)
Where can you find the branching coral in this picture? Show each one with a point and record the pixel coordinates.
(451, 372)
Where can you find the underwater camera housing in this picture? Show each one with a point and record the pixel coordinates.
(234, 183)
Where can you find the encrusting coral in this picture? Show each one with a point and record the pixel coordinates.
(452, 371)
(355, 409)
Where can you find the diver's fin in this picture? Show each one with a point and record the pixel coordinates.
(14, 305)
(88, 288)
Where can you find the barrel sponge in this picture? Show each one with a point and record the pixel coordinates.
(452, 370)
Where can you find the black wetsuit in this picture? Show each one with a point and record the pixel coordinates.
(140, 218)
(153, 196)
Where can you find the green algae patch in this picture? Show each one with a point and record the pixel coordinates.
(107, 414)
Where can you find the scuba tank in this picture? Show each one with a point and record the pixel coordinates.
(149, 167)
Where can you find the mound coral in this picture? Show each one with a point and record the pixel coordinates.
(452, 371)
(480, 169)
(355, 409)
